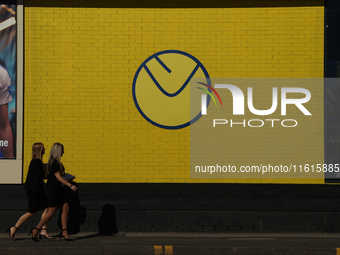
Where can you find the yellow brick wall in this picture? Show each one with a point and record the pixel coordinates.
(80, 64)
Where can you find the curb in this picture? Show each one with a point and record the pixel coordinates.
(166, 250)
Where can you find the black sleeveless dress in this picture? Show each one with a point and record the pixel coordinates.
(55, 191)
(34, 186)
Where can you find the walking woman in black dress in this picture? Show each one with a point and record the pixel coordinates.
(56, 192)
(35, 190)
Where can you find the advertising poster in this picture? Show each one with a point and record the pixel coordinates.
(7, 81)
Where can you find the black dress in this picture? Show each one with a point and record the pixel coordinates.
(34, 186)
(56, 192)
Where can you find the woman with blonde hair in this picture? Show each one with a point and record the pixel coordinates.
(56, 192)
(35, 190)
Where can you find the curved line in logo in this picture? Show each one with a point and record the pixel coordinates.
(199, 65)
(208, 93)
(211, 88)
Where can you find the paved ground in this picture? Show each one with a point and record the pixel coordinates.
(176, 244)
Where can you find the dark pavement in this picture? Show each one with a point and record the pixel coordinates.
(176, 244)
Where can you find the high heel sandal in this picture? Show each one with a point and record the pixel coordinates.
(35, 239)
(61, 235)
(10, 232)
(44, 236)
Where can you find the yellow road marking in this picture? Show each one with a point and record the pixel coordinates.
(158, 250)
(168, 250)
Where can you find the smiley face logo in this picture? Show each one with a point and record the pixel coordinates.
(161, 89)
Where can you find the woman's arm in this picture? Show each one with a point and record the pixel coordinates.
(41, 168)
(6, 132)
(63, 181)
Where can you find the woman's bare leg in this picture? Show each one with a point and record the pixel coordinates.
(44, 220)
(21, 221)
(44, 228)
(64, 219)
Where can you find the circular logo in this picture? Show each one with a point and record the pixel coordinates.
(161, 89)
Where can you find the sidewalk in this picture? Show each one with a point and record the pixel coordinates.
(176, 244)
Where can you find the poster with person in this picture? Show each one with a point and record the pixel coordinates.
(8, 72)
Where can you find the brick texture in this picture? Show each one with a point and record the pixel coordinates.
(80, 63)
(234, 207)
